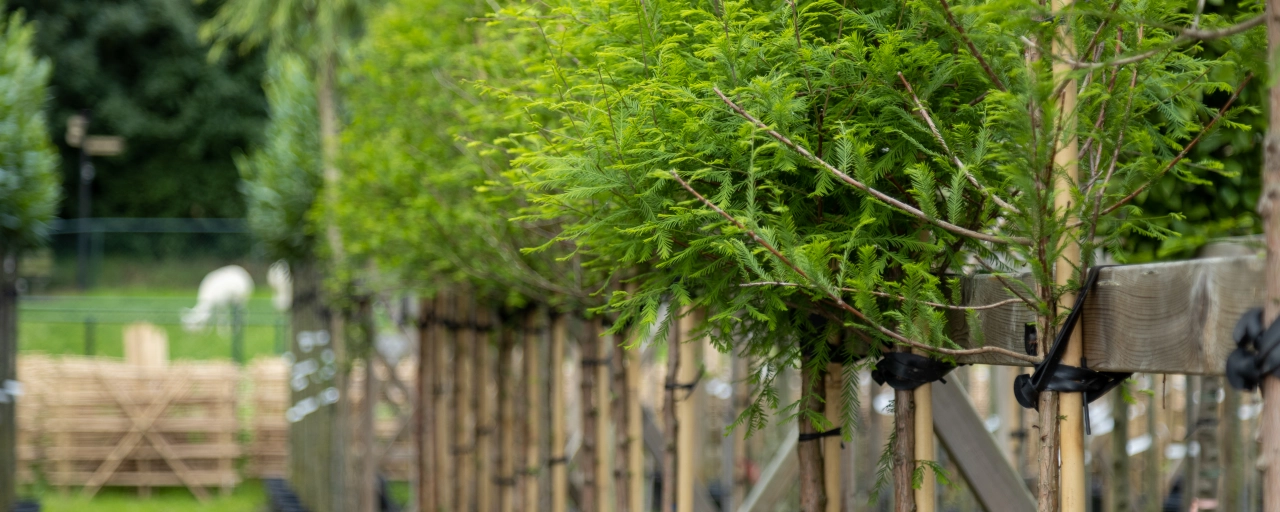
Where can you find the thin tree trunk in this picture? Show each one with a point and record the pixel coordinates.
(485, 420)
(1269, 209)
(8, 371)
(506, 420)
(1210, 463)
(619, 407)
(445, 474)
(1233, 455)
(1119, 481)
(589, 348)
(813, 495)
(368, 485)
(560, 463)
(464, 346)
(533, 404)
(425, 411)
(904, 451)
(671, 422)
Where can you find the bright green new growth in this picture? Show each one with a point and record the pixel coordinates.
(282, 178)
(885, 96)
(29, 181)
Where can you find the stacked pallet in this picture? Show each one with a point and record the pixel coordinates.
(33, 372)
(268, 449)
(110, 423)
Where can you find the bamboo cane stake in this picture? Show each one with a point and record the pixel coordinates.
(1269, 210)
(1073, 493)
(687, 411)
(445, 475)
(506, 477)
(635, 433)
(560, 464)
(604, 446)
(1209, 464)
(425, 410)
(926, 495)
(590, 416)
(485, 421)
(831, 449)
(1233, 461)
(621, 466)
(533, 397)
(670, 420)
(464, 346)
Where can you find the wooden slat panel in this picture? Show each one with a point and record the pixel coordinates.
(994, 482)
(1172, 317)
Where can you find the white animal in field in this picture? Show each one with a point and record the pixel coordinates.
(282, 283)
(220, 291)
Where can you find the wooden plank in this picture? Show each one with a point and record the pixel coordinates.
(994, 482)
(1173, 317)
(777, 478)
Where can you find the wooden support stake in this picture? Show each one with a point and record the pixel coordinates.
(486, 423)
(368, 485)
(605, 446)
(506, 475)
(1269, 208)
(423, 435)
(670, 420)
(832, 446)
(635, 432)
(619, 406)
(533, 404)
(926, 495)
(687, 407)
(741, 400)
(445, 474)
(560, 463)
(590, 353)
(464, 450)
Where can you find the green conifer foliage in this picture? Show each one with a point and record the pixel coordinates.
(29, 190)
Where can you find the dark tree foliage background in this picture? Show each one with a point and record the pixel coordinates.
(142, 69)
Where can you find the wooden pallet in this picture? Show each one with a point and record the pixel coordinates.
(109, 423)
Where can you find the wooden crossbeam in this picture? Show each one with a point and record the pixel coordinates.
(142, 421)
(1174, 317)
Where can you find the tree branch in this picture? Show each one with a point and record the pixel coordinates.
(892, 296)
(1185, 35)
(840, 301)
(954, 159)
(1186, 149)
(946, 8)
(862, 186)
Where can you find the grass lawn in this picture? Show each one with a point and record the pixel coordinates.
(248, 497)
(65, 324)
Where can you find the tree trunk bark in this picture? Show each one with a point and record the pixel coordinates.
(589, 348)
(316, 462)
(1119, 481)
(8, 371)
(368, 485)
(832, 382)
(560, 463)
(813, 495)
(904, 451)
(1269, 209)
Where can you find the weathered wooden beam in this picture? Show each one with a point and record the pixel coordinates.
(993, 480)
(1173, 317)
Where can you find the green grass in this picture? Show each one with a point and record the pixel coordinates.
(61, 324)
(248, 497)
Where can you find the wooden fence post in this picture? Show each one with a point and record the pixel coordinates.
(485, 421)
(926, 495)
(440, 381)
(424, 412)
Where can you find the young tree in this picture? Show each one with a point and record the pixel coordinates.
(769, 162)
(29, 192)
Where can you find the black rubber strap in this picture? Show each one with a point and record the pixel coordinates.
(688, 386)
(814, 436)
(504, 482)
(603, 361)
(1052, 375)
(557, 461)
(905, 371)
(1257, 352)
